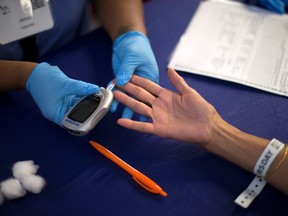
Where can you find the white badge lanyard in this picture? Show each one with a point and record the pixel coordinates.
(22, 18)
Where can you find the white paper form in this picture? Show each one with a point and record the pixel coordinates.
(238, 43)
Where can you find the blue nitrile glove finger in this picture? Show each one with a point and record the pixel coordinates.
(127, 113)
(143, 118)
(132, 54)
(114, 105)
(277, 6)
(54, 92)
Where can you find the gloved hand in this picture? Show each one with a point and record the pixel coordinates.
(277, 6)
(54, 92)
(132, 54)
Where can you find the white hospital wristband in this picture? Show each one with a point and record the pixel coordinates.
(260, 170)
(253, 190)
(267, 157)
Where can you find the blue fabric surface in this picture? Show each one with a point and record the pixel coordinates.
(80, 181)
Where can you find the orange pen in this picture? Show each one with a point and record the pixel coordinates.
(141, 179)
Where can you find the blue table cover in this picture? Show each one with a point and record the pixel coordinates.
(81, 181)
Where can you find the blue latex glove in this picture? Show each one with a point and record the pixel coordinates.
(54, 92)
(277, 6)
(132, 54)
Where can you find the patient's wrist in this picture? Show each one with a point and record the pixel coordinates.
(223, 137)
(217, 128)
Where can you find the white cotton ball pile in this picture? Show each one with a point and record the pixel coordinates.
(25, 179)
(33, 183)
(12, 189)
(23, 169)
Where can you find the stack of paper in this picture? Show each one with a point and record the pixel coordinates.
(238, 43)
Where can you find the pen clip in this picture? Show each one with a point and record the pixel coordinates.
(144, 186)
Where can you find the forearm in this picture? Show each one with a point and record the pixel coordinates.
(236, 146)
(121, 16)
(244, 150)
(14, 74)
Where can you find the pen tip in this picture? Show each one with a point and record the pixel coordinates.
(163, 193)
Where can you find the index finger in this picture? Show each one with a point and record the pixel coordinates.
(147, 84)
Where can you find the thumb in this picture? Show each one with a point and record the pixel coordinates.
(81, 88)
(125, 73)
(178, 82)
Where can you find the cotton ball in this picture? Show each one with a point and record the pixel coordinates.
(33, 183)
(12, 189)
(1, 198)
(22, 169)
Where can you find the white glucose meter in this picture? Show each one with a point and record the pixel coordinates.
(88, 111)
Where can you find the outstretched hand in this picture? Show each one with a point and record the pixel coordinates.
(182, 115)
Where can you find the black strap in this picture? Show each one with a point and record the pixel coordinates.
(29, 47)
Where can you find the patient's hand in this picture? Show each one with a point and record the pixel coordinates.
(182, 115)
